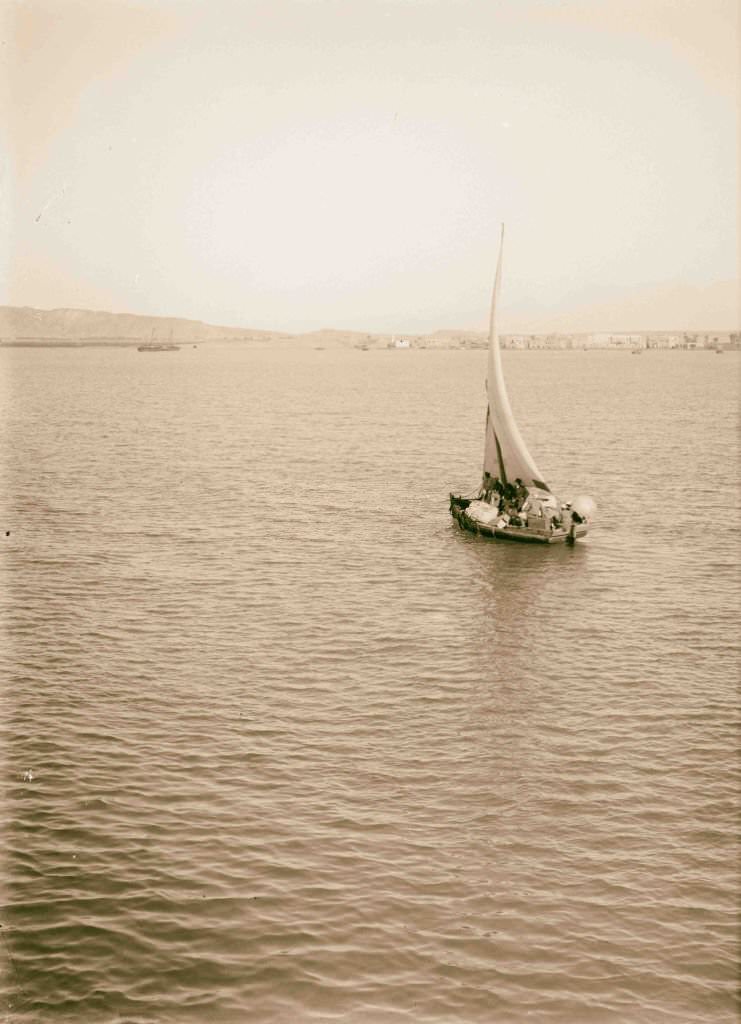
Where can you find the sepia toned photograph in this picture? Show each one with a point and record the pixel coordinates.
(370, 509)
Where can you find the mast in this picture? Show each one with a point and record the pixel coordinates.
(505, 453)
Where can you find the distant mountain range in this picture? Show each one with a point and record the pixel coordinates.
(23, 323)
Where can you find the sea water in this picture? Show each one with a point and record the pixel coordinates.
(283, 745)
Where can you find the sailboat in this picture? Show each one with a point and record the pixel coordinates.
(158, 346)
(514, 502)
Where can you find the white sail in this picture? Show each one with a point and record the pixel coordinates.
(505, 453)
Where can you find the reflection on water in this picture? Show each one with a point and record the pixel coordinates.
(285, 745)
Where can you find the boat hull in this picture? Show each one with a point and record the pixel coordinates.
(521, 534)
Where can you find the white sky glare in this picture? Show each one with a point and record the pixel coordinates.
(298, 164)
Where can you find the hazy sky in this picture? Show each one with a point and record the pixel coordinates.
(295, 164)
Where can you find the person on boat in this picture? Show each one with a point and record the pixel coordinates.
(575, 520)
(508, 502)
(521, 492)
(492, 486)
(550, 517)
(497, 490)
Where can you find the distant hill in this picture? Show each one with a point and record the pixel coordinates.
(25, 325)
(22, 323)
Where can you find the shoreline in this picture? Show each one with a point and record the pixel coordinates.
(421, 344)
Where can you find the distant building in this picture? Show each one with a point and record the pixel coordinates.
(620, 341)
(664, 340)
(551, 342)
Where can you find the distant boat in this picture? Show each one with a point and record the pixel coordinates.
(514, 502)
(159, 346)
(637, 352)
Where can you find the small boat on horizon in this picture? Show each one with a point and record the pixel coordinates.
(159, 346)
(514, 502)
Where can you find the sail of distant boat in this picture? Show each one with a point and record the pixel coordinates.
(505, 453)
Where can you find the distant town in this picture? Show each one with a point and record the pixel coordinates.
(651, 339)
(634, 341)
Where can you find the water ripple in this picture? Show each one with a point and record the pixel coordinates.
(283, 745)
